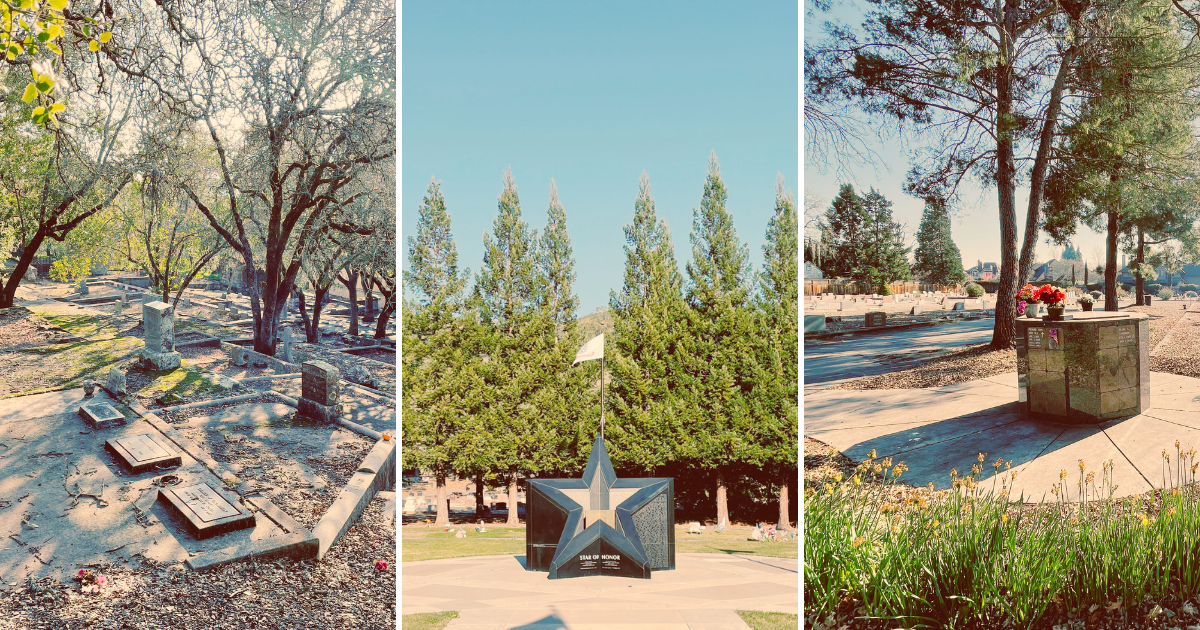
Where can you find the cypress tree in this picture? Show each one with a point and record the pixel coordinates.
(645, 427)
(884, 256)
(846, 221)
(777, 347)
(937, 259)
(715, 356)
(520, 336)
(437, 376)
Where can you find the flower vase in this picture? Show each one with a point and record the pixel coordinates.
(1032, 310)
(1055, 313)
(1087, 306)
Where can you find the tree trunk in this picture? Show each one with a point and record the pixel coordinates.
(302, 307)
(1004, 333)
(479, 497)
(513, 519)
(722, 503)
(443, 510)
(8, 290)
(1139, 282)
(382, 322)
(312, 328)
(367, 285)
(352, 288)
(1110, 265)
(1037, 176)
(785, 521)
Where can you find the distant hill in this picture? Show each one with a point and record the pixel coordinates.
(595, 323)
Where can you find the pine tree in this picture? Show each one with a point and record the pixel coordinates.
(884, 257)
(557, 266)
(715, 355)
(437, 387)
(937, 259)
(846, 223)
(520, 338)
(645, 428)
(776, 373)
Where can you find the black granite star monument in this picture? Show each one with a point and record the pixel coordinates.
(632, 539)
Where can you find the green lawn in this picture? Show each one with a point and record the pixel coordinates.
(426, 621)
(421, 543)
(769, 620)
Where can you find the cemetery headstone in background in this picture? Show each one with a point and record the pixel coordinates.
(159, 324)
(876, 318)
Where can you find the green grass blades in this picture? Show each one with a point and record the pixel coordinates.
(973, 555)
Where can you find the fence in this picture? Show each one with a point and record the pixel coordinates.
(848, 287)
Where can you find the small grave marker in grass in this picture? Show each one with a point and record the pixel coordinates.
(204, 512)
(143, 452)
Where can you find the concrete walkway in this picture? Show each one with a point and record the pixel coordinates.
(702, 593)
(855, 356)
(933, 430)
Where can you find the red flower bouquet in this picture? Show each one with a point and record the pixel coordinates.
(1051, 296)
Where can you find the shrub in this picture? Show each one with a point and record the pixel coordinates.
(1096, 286)
(1096, 294)
(973, 290)
(885, 290)
(1191, 295)
(1153, 288)
(1166, 294)
(1122, 292)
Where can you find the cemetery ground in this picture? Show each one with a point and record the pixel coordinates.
(722, 580)
(1008, 539)
(68, 504)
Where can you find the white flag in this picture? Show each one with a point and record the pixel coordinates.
(591, 350)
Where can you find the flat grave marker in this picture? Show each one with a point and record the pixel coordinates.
(101, 415)
(143, 452)
(204, 511)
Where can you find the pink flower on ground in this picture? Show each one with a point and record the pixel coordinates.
(101, 579)
(82, 572)
(380, 565)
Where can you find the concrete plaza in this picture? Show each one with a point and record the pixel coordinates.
(702, 593)
(935, 429)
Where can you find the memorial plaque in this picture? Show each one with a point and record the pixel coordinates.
(204, 511)
(207, 505)
(1035, 336)
(1125, 336)
(1055, 339)
(101, 415)
(143, 452)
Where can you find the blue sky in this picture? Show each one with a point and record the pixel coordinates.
(976, 220)
(592, 94)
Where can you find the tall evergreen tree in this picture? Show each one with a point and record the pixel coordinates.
(438, 379)
(557, 266)
(715, 356)
(845, 223)
(937, 259)
(645, 427)
(777, 348)
(521, 335)
(883, 257)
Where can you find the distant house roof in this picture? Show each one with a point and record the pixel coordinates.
(1057, 271)
(812, 272)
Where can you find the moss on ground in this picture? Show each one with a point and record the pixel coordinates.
(184, 381)
(769, 620)
(427, 621)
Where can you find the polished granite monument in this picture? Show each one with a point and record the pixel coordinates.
(1093, 366)
(572, 530)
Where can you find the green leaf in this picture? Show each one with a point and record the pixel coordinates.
(57, 107)
(104, 37)
(93, 45)
(38, 111)
(43, 37)
(87, 30)
(30, 92)
(58, 5)
(44, 85)
(26, 4)
(55, 49)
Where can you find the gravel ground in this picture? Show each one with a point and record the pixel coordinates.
(20, 329)
(343, 590)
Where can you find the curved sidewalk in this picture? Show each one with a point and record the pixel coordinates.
(935, 429)
(702, 593)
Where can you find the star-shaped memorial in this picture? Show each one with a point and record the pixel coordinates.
(630, 540)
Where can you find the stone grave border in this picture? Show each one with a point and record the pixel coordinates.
(375, 473)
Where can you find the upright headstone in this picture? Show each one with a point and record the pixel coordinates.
(958, 306)
(319, 387)
(158, 320)
(876, 318)
(917, 310)
(83, 287)
(285, 346)
(31, 274)
(814, 323)
(115, 384)
(239, 356)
